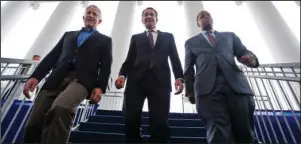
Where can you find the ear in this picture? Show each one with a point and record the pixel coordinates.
(99, 21)
(83, 18)
(198, 24)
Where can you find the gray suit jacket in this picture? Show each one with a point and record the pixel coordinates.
(206, 58)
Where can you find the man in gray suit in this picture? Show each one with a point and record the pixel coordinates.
(222, 94)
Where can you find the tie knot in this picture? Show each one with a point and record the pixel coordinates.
(209, 32)
(149, 31)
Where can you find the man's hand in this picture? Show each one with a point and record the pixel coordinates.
(95, 96)
(179, 86)
(248, 60)
(30, 85)
(119, 83)
(191, 98)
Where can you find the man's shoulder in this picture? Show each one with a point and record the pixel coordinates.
(192, 39)
(103, 36)
(225, 33)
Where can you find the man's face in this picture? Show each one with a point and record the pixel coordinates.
(205, 20)
(91, 17)
(149, 19)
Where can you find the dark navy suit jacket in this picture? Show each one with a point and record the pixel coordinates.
(140, 56)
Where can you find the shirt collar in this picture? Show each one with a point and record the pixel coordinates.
(204, 32)
(155, 30)
(84, 29)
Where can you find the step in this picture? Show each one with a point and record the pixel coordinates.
(98, 137)
(119, 128)
(146, 114)
(145, 120)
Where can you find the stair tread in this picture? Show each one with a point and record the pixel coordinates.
(99, 137)
(106, 133)
(180, 119)
(141, 125)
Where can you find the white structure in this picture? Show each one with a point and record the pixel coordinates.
(121, 34)
(54, 29)
(192, 8)
(282, 43)
(10, 14)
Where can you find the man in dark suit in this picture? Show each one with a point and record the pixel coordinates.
(147, 70)
(81, 65)
(223, 97)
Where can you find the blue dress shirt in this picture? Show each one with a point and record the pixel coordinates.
(84, 34)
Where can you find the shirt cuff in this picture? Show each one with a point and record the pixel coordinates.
(180, 79)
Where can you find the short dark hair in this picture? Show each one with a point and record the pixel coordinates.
(197, 17)
(151, 9)
(36, 56)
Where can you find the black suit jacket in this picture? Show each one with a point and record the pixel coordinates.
(93, 61)
(140, 56)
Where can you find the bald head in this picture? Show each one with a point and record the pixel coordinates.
(204, 20)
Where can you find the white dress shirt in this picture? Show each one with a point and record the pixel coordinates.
(206, 37)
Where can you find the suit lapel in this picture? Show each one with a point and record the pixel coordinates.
(218, 37)
(203, 40)
(74, 39)
(158, 39)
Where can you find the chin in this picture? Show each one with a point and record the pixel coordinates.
(150, 26)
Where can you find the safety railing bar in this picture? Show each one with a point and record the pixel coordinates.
(262, 72)
(84, 111)
(261, 116)
(290, 104)
(26, 115)
(281, 109)
(295, 79)
(274, 112)
(287, 103)
(18, 61)
(256, 116)
(75, 117)
(4, 68)
(14, 77)
(295, 64)
(288, 126)
(265, 108)
(12, 121)
(8, 82)
(9, 102)
(106, 95)
(294, 93)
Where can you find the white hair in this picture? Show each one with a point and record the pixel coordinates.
(97, 9)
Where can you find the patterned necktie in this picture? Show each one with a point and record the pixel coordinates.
(211, 38)
(151, 38)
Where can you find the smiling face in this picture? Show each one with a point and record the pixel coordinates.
(204, 20)
(149, 18)
(92, 17)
